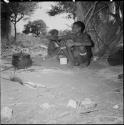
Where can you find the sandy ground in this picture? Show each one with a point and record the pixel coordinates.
(61, 83)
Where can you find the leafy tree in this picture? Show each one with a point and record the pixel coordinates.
(27, 28)
(63, 7)
(18, 10)
(103, 23)
(36, 27)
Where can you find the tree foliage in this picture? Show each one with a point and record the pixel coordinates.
(63, 7)
(36, 27)
(25, 8)
(106, 20)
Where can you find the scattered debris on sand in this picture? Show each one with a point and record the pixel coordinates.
(46, 106)
(84, 106)
(115, 106)
(6, 113)
(72, 103)
(29, 84)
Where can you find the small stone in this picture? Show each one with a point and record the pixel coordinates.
(52, 122)
(100, 119)
(95, 58)
(34, 85)
(120, 76)
(32, 121)
(116, 106)
(88, 103)
(6, 113)
(72, 103)
(87, 106)
(45, 106)
(64, 114)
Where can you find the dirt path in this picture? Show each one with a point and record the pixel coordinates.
(62, 83)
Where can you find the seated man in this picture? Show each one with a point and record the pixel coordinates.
(80, 48)
(56, 46)
(53, 40)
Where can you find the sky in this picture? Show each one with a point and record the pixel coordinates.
(59, 22)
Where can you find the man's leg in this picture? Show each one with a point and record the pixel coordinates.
(76, 56)
(85, 60)
(69, 54)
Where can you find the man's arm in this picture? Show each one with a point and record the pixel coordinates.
(66, 37)
(86, 41)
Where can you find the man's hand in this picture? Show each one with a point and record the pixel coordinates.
(62, 43)
(70, 43)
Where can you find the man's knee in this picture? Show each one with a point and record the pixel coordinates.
(85, 60)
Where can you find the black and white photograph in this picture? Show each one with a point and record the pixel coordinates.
(61, 62)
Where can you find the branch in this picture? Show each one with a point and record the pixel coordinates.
(117, 18)
(102, 41)
(11, 16)
(118, 37)
(90, 30)
(87, 13)
(97, 36)
(92, 13)
(11, 10)
(22, 15)
(114, 15)
(68, 25)
(12, 20)
(100, 9)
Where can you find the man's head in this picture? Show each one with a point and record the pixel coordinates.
(78, 27)
(54, 34)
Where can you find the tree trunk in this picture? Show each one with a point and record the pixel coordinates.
(15, 31)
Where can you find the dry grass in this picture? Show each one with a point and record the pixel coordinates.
(30, 40)
(36, 45)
